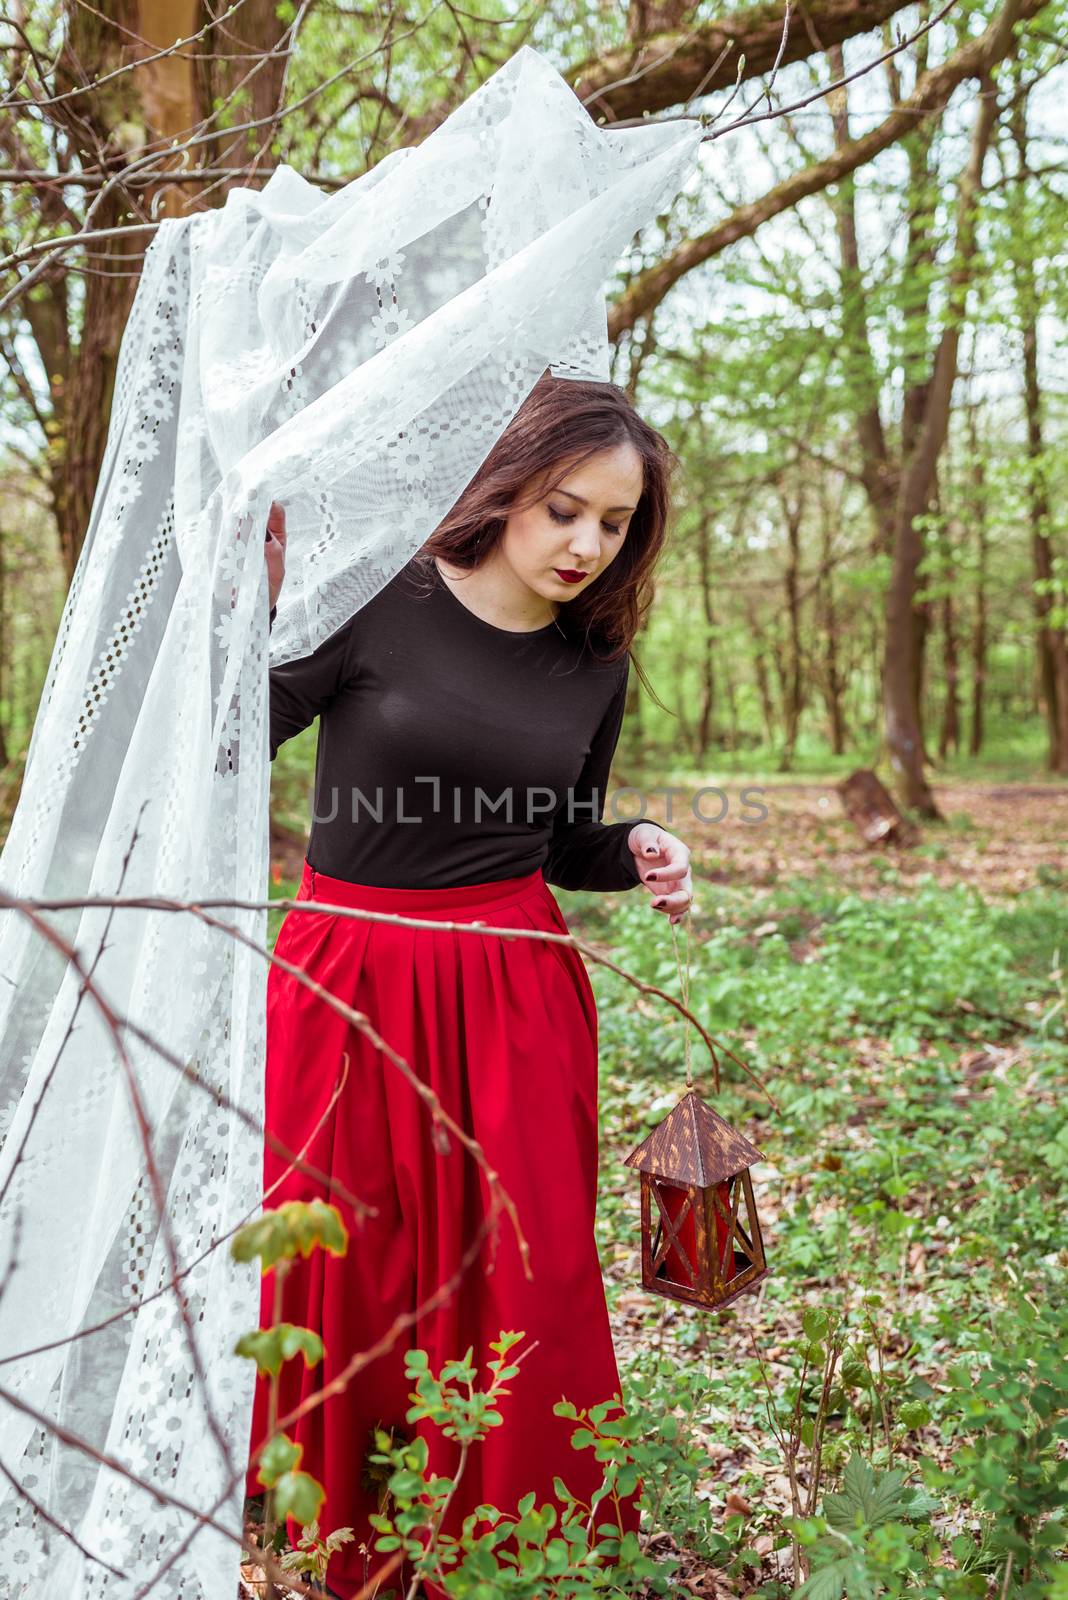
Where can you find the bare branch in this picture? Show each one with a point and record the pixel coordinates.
(930, 96)
(671, 70)
(22, 103)
(312, 906)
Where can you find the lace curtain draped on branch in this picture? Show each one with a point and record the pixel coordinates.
(355, 356)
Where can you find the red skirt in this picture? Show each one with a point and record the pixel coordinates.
(505, 1033)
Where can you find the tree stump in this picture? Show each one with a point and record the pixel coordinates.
(872, 810)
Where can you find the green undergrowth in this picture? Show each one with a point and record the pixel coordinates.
(913, 1198)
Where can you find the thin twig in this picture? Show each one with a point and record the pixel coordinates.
(21, 103)
(195, 907)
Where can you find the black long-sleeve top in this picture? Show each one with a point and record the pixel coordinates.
(454, 752)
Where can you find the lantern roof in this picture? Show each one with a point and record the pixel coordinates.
(694, 1145)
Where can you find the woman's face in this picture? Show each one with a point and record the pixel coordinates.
(578, 528)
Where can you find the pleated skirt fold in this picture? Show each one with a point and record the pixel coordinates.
(503, 1031)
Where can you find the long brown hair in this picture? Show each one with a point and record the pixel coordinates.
(562, 422)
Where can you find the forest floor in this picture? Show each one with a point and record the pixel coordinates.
(906, 1009)
(1001, 838)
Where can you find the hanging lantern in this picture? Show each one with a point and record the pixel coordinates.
(706, 1247)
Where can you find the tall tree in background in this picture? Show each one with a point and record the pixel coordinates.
(900, 489)
(904, 731)
(1051, 641)
(793, 674)
(976, 512)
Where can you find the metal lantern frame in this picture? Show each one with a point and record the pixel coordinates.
(695, 1153)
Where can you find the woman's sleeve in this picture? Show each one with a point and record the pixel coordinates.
(586, 853)
(299, 690)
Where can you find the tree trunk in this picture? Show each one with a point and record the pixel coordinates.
(921, 255)
(949, 737)
(760, 670)
(1051, 643)
(904, 733)
(734, 735)
(923, 612)
(160, 101)
(707, 701)
(978, 520)
(254, 88)
(878, 472)
(833, 684)
(792, 675)
(90, 384)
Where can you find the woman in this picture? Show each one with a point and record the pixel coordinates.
(468, 717)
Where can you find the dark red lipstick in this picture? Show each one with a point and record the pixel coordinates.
(569, 576)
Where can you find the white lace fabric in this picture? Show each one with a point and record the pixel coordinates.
(355, 356)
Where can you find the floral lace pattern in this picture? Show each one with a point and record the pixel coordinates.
(355, 356)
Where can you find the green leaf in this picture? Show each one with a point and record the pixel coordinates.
(296, 1494)
(502, 1345)
(339, 1537)
(828, 1583)
(816, 1323)
(270, 1347)
(867, 1498)
(917, 1503)
(295, 1228)
(406, 1485)
(279, 1456)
